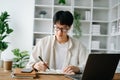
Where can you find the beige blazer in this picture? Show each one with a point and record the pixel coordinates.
(77, 54)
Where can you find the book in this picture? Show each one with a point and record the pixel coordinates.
(87, 15)
(17, 73)
(96, 29)
(21, 77)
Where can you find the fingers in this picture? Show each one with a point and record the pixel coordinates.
(69, 70)
(46, 65)
(40, 66)
(66, 69)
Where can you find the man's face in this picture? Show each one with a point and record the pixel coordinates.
(61, 31)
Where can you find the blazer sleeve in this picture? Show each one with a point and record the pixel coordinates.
(83, 55)
(34, 55)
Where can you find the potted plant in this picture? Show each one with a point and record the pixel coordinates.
(20, 59)
(62, 2)
(42, 14)
(5, 30)
(76, 25)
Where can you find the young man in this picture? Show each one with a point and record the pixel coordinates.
(59, 51)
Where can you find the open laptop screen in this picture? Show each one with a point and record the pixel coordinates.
(101, 66)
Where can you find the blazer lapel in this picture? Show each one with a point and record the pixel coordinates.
(52, 55)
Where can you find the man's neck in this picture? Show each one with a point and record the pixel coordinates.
(62, 41)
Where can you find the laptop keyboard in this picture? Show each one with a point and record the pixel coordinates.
(74, 77)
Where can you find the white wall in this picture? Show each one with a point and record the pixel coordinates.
(21, 20)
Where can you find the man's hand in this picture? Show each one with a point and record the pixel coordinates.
(71, 69)
(40, 66)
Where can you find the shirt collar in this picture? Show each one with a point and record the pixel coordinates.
(70, 43)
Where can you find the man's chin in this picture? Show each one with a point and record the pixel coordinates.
(60, 38)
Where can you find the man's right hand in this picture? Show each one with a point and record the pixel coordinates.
(40, 66)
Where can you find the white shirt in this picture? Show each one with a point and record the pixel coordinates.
(60, 52)
(76, 54)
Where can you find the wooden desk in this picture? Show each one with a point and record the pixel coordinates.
(7, 76)
(53, 77)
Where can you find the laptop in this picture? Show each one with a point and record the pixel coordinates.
(99, 67)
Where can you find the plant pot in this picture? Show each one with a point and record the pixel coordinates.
(42, 15)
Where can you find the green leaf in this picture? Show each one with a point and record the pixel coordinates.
(21, 57)
(76, 24)
(23, 54)
(4, 16)
(8, 29)
(62, 1)
(16, 59)
(3, 46)
(16, 52)
(4, 30)
(2, 37)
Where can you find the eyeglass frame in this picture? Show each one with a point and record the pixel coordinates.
(60, 29)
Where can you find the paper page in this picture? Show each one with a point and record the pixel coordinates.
(51, 71)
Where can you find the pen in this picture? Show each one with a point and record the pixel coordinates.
(44, 62)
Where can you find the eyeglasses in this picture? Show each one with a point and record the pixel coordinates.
(60, 29)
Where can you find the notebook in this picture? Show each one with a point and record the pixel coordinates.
(51, 71)
(16, 73)
(99, 67)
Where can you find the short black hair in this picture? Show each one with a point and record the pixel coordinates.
(63, 17)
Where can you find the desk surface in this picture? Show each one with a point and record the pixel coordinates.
(7, 76)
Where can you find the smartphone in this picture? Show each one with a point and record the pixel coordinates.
(27, 70)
